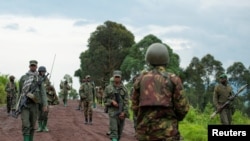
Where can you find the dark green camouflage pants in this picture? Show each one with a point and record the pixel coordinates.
(29, 116)
(116, 126)
(87, 109)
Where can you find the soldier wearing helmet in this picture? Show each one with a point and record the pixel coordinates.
(11, 90)
(158, 99)
(43, 115)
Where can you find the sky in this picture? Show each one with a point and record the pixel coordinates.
(55, 32)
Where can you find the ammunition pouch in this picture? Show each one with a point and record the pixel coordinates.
(32, 97)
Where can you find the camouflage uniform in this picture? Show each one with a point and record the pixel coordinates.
(11, 90)
(99, 96)
(65, 88)
(29, 113)
(222, 93)
(43, 116)
(87, 92)
(81, 104)
(158, 101)
(116, 119)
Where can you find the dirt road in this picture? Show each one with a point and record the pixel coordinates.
(65, 124)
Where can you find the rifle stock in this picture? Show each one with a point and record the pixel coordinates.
(227, 102)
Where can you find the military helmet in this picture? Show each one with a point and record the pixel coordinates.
(157, 54)
(42, 68)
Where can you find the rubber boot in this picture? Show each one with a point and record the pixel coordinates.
(45, 128)
(40, 128)
(114, 139)
(86, 121)
(26, 137)
(31, 138)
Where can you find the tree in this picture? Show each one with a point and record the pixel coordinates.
(107, 48)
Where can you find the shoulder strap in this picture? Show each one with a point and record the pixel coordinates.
(170, 83)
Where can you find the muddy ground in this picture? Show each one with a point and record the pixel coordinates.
(65, 124)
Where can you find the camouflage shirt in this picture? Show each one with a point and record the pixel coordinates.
(109, 95)
(158, 103)
(221, 94)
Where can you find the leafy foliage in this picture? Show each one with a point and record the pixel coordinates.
(107, 48)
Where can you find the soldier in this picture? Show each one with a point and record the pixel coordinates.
(116, 99)
(222, 92)
(43, 116)
(131, 95)
(65, 92)
(87, 92)
(11, 90)
(158, 101)
(80, 106)
(99, 97)
(52, 95)
(111, 82)
(29, 113)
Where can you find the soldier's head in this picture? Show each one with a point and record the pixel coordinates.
(42, 70)
(135, 77)
(87, 77)
(223, 78)
(117, 75)
(12, 78)
(33, 65)
(157, 55)
(83, 80)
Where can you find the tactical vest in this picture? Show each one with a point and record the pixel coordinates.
(156, 89)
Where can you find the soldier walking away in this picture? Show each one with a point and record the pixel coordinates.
(65, 92)
(158, 101)
(222, 92)
(88, 92)
(116, 99)
(29, 112)
(11, 90)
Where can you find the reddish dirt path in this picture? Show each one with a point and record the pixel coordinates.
(65, 124)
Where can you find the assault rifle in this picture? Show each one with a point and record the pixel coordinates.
(228, 101)
(120, 104)
(22, 101)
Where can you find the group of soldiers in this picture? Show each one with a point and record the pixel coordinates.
(35, 104)
(158, 100)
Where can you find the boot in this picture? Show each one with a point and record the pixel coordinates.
(26, 138)
(40, 128)
(45, 128)
(114, 139)
(31, 138)
(86, 121)
(90, 120)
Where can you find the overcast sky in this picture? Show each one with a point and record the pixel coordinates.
(46, 29)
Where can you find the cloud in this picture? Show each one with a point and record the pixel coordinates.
(41, 39)
(13, 26)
